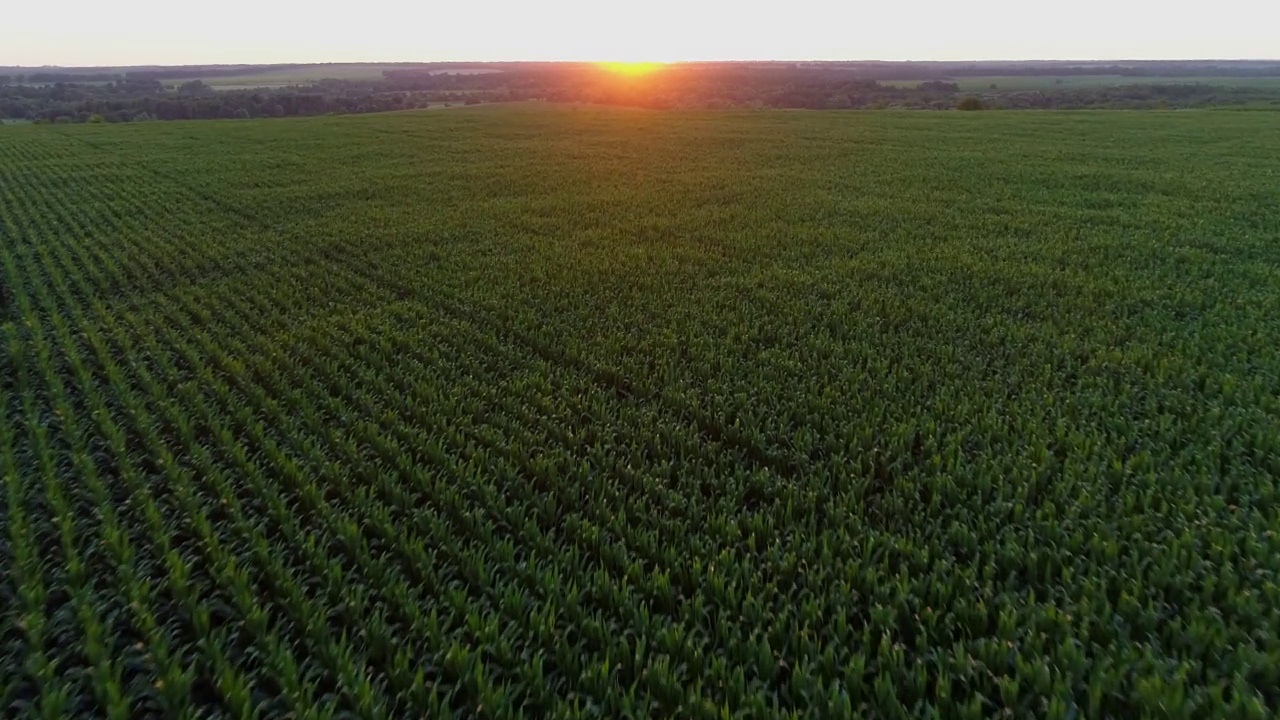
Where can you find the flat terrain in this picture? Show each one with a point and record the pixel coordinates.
(1052, 82)
(307, 74)
(599, 412)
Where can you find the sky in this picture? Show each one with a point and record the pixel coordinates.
(161, 32)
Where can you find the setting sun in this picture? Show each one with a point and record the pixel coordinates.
(632, 69)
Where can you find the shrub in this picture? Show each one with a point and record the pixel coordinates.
(971, 103)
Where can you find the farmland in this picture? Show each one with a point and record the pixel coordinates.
(1048, 83)
(141, 94)
(544, 411)
(307, 74)
(299, 75)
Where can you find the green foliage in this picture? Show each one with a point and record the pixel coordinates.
(512, 412)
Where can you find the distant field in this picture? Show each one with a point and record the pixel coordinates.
(1011, 82)
(534, 411)
(1020, 82)
(308, 74)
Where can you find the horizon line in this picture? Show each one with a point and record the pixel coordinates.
(655, 62)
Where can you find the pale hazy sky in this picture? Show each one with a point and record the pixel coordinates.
(162, 32)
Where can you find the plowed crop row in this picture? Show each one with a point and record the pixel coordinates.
(598, 413)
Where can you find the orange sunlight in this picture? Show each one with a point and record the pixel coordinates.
(632, 69)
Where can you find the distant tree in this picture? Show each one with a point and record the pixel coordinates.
(173, 110)
(142, 117)
(242, 114)
(993, 86)
(96, 119)
(839, 102)
(194, 87)
(971, 103)
(124, 98)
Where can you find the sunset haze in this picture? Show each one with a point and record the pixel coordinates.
(239, 31)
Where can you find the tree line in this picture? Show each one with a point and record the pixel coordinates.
(142, 95)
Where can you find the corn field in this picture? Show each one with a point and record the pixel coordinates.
(539, 412)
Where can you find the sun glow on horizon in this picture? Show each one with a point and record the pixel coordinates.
(633, 69)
